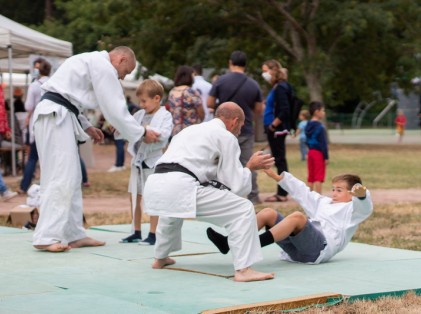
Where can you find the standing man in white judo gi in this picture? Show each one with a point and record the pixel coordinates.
(201, 176)
(83, 81)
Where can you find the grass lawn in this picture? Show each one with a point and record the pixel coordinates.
(380, 167)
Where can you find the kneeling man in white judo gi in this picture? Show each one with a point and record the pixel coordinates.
(200, 176)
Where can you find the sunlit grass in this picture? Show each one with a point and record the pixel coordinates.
(380, 166)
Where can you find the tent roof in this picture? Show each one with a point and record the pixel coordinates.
(26, 41)
(20, 65)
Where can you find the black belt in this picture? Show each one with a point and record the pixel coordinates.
(60, 100)
(174, 167)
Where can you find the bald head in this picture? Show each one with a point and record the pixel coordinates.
(123, 60)
(229, 110)
(123, 50)
(232, 115)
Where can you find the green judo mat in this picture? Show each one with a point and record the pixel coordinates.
(118, 278)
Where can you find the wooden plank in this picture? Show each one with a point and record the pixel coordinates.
(285, 304)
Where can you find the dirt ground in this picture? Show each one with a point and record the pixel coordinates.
(103, 156)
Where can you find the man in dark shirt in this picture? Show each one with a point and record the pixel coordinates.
(237, 87)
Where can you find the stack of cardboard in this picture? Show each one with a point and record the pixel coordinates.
(21, 215)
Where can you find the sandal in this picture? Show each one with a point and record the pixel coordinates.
(276, 198)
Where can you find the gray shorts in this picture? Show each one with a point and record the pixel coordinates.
(304, 247)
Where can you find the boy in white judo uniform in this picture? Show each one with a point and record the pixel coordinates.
(325, 230)
(153, 118)
(83, 81)
(184, 186)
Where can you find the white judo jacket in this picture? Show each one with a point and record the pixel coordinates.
(150, 153)
(337, 221)
(89, 80)
(211, 153)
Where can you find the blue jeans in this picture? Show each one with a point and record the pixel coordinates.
(84, 172)
(119, 159)
(303, 148)
(3, 187)
(29, 167)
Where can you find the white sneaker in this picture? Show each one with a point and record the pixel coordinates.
(281, 133)
(116, 169)
(7, 195)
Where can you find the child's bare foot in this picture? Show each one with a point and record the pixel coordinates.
(55, 248)
(162, 262)
(248, 274)
(86, 242)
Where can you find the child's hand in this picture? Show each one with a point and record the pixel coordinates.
(273, 175)
(151, 136)
(358, 190)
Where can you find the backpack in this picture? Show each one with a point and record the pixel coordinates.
(296, 105)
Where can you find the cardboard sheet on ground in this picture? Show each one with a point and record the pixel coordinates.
(119, 278)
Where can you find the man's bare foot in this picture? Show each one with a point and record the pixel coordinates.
(55, 248)
(86, 242)
(162, 262)
(248, 274)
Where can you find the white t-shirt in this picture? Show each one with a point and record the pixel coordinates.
(203, 87)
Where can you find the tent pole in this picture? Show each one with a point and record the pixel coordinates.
(12, 111)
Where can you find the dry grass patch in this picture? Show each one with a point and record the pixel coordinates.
(108, 184)
(392, 225)
(99, 219)
(407, 304)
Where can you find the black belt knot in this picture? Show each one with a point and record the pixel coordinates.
(174, 167)
(60, 100)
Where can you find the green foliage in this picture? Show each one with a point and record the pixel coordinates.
(29, 12)
(336, 50)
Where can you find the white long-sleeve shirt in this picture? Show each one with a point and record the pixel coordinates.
(211, 153)
(34, 93)
(337, 221)
(203, 87)
(89, 80)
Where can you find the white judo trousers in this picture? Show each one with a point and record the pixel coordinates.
(61, 210)
(221, 208)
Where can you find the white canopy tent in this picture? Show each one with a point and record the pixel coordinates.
(17, 42)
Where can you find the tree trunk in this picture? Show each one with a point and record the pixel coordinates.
(48, 9)
(314, 86)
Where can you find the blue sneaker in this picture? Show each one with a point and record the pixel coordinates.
(131, 239)
(150, 240)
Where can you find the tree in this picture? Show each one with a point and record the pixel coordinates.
(342, 48)
(335, 50)
(29, 12)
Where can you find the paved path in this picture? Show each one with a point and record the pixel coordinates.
(370, 136)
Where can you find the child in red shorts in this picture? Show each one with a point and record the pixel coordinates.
(318, 156)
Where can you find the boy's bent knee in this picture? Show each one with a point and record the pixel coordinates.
(268, 215)
(300, 219)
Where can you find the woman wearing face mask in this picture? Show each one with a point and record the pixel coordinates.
(276, 118)
(40, 74)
